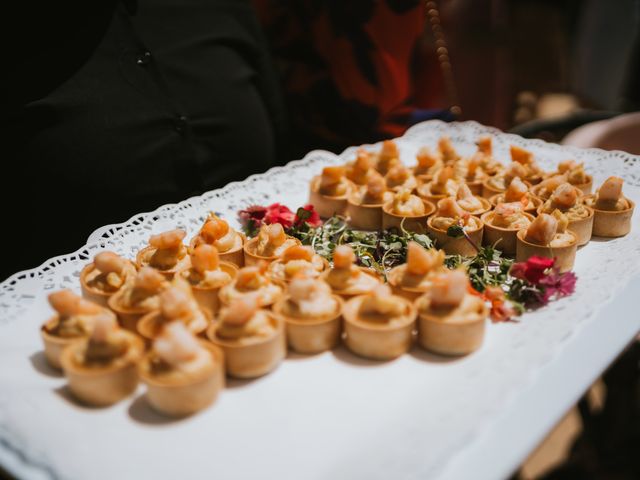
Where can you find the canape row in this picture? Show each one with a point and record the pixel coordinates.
(103, 354)
(376, 191)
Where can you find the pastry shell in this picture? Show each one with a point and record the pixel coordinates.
(183, 263)
(251, 258)
(565, 256)
(411, 223)
(94, 294)
(234, 255)
(327, 205)
(377, 341)
(456, 246)
(505, 239)
(151, 325)
(585, 187)
(451, 338)
(364, 217)
(486, 206)
(207, 297)
(489, 191)
(612, 223)
(394, 278)
(311, 335)
(347, 293)
(179, 399)
(128, 317)
(583, 227)
(54, 345)
(255, 358)
(102, 386)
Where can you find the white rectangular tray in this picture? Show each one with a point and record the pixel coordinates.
(332, 415)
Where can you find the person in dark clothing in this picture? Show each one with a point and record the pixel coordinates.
(118, 107)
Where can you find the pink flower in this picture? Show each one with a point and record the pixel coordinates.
(277, 213)
(533, 270)
(557, 285)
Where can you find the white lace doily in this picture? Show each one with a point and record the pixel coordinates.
(327, 416)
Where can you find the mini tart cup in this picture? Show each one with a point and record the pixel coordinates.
(106, 385)
(612, 223)
(394, 278)
(475, 186)
(183, 263)
(348, 293)
(582, 227)
(326, 205)
(151, 325)
(128, 318)
(364, 217)
(412, 223)
(565, 256)
(93, 294)
(178, 399)
(311, 335)
(54, 346)
(207, 297)
(456, 246)
(255, 358)
(252, 258)
(378, 341)
(451, 338)
(585, 187)
(431, 197)
(234, 255)
(536, 190)
(532, 207)
(505, 239)
(486, 206)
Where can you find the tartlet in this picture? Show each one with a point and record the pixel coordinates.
(565, 199)
(413, 278)
(484, 155)
(295, 261)
(501, 226)
(103, 277)
(138, 298)
(101, 369)
(360, 170)
(470, 203)
(72, 321)
(546, 187)
(253, 339)
(329, 191)
(207, 275)
(547, 236)
(575, 175)
(345, 278)
(451, 321)
(183, 375)
(442, 185)
(400, 178)
(252, 281)
(533, 172)
(166, 253)
(406, 211)
(177, 303)
(499, 183)
(268, 245)
(364, 209)
(612, 210)
(228, 242)
(387, 158)
(312, 316)
(518, 191)
(450, 214)
(472, 173)
(427, 165)
(379, 325)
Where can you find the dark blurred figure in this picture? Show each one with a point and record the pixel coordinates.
(356, 71)
(117, 107)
